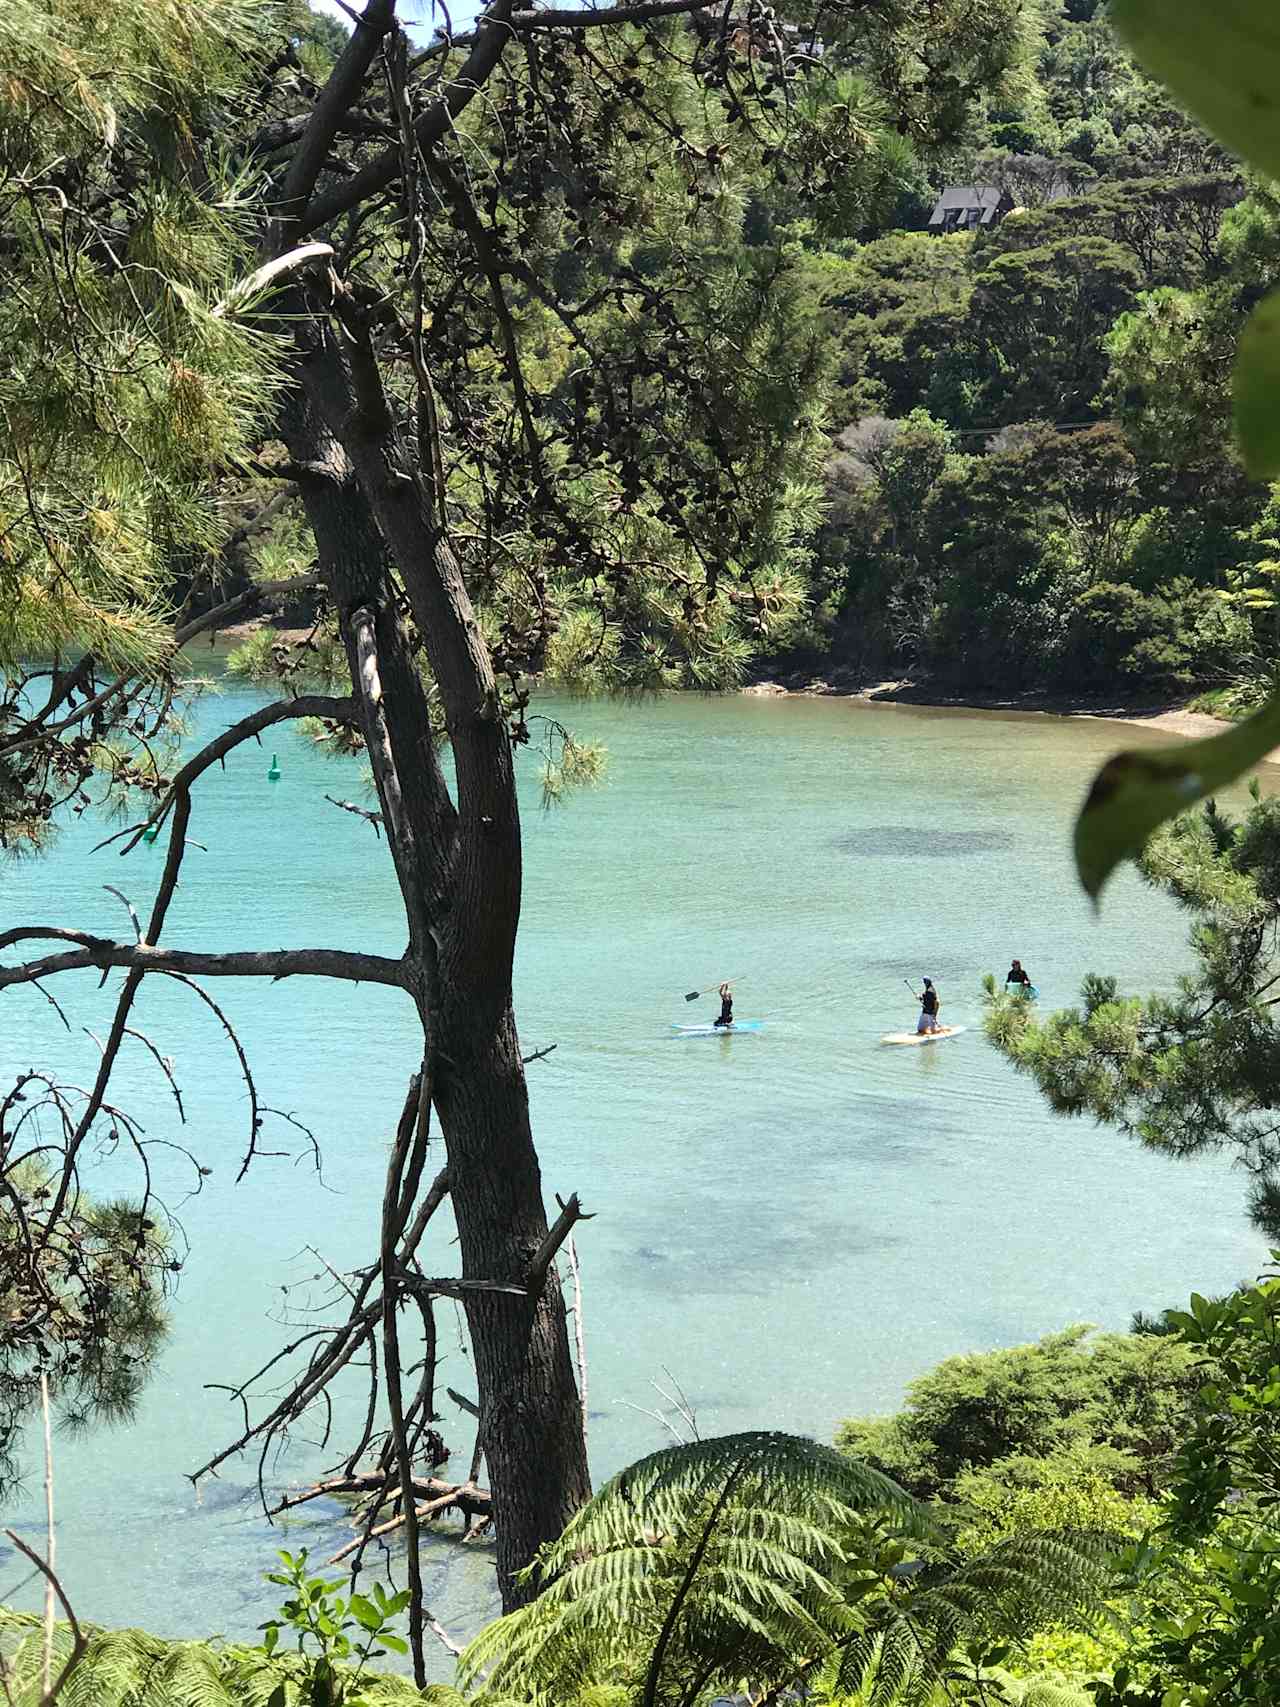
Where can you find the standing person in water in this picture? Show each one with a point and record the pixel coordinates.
(1016, 975)
(928, 1008)
(726, 1005)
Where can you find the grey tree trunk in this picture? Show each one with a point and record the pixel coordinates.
(459, 869)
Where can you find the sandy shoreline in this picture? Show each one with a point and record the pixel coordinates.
(1174, 718)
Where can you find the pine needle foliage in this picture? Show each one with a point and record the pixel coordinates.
(90, 1316)
(1197, 1070)
(121, 390)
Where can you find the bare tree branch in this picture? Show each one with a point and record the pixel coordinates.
(78, 1643)
(47, 1674)
(278, 711)
(533, 18)
(570, 1213)
(374, 818)
(579, 1332)
(336, 99)
(262, 595)
(143, 957)
(492, 34)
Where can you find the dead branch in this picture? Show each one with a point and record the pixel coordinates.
(274, 272)
(142, 957)
(392, 1227)
(452, 1286)
(578, 1331)
(570, 1213)
(466, 1497)
(261, 596)
(462, 1400)
(374, 818)
(525, 22)
(165, 1065)
(436, 1194)
(248, 728)
(47, 1664)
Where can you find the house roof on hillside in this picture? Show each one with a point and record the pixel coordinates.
(965, 207)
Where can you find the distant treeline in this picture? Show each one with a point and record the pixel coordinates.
(1032, 483)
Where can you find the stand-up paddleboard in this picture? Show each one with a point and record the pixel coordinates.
(909, 1037)
(718, 1030)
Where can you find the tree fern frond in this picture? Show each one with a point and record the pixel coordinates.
(1023, 1584)
(130, 1668)
(797, 1475)
(720, 1558)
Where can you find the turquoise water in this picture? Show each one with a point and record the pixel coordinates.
(790, 1224)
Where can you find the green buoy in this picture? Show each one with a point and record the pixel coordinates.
(273, 775)
(151, 832)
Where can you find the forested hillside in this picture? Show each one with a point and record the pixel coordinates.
(1031, 483)
(1020, 433)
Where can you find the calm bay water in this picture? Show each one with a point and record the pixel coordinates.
(791, 1225)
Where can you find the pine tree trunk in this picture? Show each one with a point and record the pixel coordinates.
(531, 1423)
(460, 876)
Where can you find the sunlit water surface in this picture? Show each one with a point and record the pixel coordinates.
(791, 1225)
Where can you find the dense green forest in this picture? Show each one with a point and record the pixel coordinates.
(1008, 453)
(1032, 484)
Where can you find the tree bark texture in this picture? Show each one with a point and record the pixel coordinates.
(459, 869)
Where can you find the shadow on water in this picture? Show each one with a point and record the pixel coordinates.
(918, 841)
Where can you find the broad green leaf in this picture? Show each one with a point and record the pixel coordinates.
(365, 1612)
(1257, 390)
(1221, 58)
(1135, 792)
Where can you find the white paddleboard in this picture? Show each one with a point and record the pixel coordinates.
(718, 1030)
(906, 1038)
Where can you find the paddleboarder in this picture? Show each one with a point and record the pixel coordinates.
(1017, 975)
(928, 1020)
(726, 1005)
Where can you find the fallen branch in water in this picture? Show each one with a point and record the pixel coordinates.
(465, 1495)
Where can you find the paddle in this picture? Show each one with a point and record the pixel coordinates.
(696, 995)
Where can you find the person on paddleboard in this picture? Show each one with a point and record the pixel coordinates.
(1017, 975)
(726, 1005)
(928, 1020)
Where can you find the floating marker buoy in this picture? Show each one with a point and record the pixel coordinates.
(151, 832)
(273, 775)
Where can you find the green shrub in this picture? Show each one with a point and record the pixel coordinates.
(1120, 1400)
(1170, 638)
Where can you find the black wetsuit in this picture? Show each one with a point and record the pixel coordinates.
(1018, 977)
(726, 1011)
(929, 1002)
